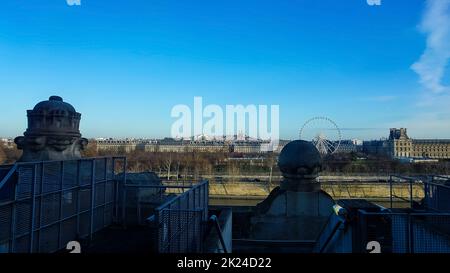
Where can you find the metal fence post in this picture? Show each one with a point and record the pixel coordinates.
(411, 193)
(78, 197)
(33, 198)
(124, 201)
(61, 196)
(104, 190)
(41, 204)
(410, 235)
(195, 198)
(207, 200)
(92, 198)
(13, 220)
(124, 192)
(116, 191)
(390, 190)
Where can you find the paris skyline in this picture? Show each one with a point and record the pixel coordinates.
(125, 65)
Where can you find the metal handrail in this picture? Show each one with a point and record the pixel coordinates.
(333, 232)
(198, 192)
(76, 159)
(32, 163)
(157, 186)
(214, 219)
(437, 184)
(167, 203)
(8, 175)
(409, 180)
(387, 213)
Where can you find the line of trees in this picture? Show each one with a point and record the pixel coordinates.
(9, 155)
(188, 165)
(193, 165)
(352, 163)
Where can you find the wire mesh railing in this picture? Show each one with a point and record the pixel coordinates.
(139, 201)
(398, 195)
(180, 221)
(437, 193)
(406, 232)
(54, 202)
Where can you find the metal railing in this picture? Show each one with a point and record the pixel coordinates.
(54, 202)
(435, 190)
(406, 232)
(179, 221)
(437, 193)
(214, 220)
(138, 201)
(399, 180)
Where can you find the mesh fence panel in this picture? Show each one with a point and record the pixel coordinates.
(179, 221)
(400, 242)
(50, 209)
(61, 207)
(411, 232)
(22, 244)
(180, 231)
(22, 218)
(70, 174)
(68, 230)
(431, 234)
(48, 239)
(25, 182)
(5, 222)
(84, 224)
(437, 197)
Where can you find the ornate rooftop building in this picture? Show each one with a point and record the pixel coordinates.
(400, 145)
(52, 133)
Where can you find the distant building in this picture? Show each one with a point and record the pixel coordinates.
(118, 145)
(357, 142)
(208, 146)
(171, 145)
(347, 146)
(376, 147)
(399, 145)
(246, 147)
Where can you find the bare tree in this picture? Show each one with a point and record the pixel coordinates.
(2, 155)
(168, 164)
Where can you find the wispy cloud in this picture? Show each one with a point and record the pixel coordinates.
(432, 64)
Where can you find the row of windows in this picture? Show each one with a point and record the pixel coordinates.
(432, 155)
(423, 150)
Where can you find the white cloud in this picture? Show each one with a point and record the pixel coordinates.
(432, 64)
(73, 2)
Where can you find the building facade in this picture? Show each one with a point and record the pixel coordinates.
(348, 146)
(400, 145)
(376, 147)
(118, 145)
(170, 145)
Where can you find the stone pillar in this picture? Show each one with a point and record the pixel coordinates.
(298, 209)
(52, 133)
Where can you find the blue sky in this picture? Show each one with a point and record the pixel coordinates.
(125, 64)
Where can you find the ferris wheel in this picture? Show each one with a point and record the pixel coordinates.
(323, 133)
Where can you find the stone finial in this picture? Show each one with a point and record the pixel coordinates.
(300, 164)
(52, 133)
